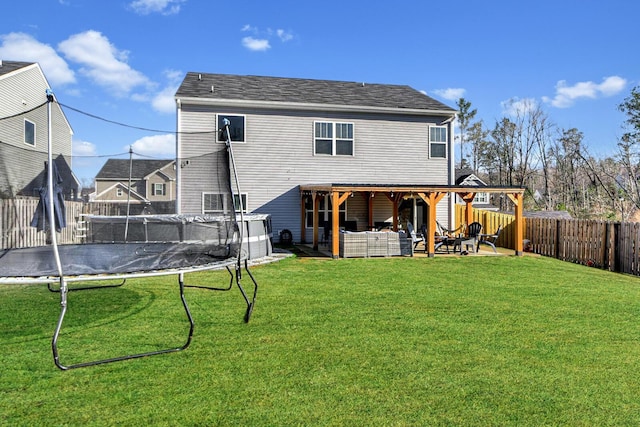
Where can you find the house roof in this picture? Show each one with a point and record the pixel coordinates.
(465, 177)
(260, 89)
(119, 168)
(7, 67)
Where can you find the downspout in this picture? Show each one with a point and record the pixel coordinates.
(452, 173)
(178, 157)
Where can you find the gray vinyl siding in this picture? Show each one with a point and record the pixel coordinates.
(21, 163)
(278, 156)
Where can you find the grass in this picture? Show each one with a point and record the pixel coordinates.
(385, 342)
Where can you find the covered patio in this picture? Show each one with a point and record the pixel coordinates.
(396, 193)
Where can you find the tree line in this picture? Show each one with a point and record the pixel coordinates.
(526, 149)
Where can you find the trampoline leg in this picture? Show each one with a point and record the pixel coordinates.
(84, 288)
(250, 303)
(63, 302)
(211, 288)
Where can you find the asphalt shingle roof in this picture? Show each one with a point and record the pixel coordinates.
(9, 66)
(305, 91)
(119, 168)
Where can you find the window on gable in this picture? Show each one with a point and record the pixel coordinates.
(236, 128)
(119, 192)
(29, 133)
(335, 139)
(159, 189)
(438, 142)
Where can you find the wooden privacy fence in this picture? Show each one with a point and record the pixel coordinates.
(16, 216)
(490, 222)
(608, 245)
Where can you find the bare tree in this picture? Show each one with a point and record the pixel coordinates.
(465, 115)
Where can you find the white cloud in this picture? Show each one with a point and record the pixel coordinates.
(83, 148)
(164, 100)
(165, 7)
(159, 146)
(567, 95)
(256, 44)
(451, 94)
(284, 35)
(517, 107)
(261, 39)
(23, 47)
(103, 62)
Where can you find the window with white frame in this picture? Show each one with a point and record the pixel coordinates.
(159, 189)
(213, 203)
(236, 202)
(335, 139)
(438, 142)
(119, 192)
(236, 127)
(29, 132)
(481, 198)
(324, 211)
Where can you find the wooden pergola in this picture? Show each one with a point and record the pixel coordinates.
(430, 194)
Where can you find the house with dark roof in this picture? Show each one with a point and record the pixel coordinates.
(482, 200)
(148, 186)
(290, 133)
(24, 133)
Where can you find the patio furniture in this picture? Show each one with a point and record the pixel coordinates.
(414, 236)
(490, 239)
(471, 240)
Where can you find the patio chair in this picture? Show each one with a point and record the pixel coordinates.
(450, 231)
(490, 239)
(471, 240)
(415, 239)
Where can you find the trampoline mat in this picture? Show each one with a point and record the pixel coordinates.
(111, 258)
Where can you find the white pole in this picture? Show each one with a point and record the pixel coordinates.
(50, 201)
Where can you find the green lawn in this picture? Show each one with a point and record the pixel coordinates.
(398, 342)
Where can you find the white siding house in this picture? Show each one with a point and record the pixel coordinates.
(24, 132)
(291, 132)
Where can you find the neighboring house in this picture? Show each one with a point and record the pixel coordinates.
(482, 200)
(289, 133)
(152, 189)
(24, 133)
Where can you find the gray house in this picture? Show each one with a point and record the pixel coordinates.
(152, 188)
(290, 134)
(24, 132)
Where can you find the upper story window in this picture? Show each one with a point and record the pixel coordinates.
(335, 139)
(159, 189)
(119, 192)
(29, 132)
(438, 142)
(236, 128)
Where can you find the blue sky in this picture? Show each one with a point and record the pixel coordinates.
(123, 60)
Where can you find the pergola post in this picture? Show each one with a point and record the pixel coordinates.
(303, 222)
(468, 211)
(431, 200)
(336, 201)
(316, 223)
(518, 202)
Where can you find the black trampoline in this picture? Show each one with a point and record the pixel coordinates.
(146, 246)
